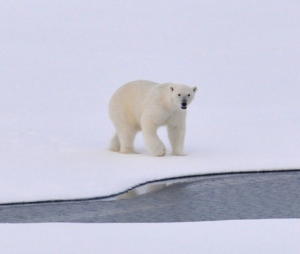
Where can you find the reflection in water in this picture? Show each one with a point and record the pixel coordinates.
(145, 189)
(150, 188)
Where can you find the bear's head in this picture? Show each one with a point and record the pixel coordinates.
(182, 95)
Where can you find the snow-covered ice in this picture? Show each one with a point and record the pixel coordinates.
(234, 237)
(61, 62)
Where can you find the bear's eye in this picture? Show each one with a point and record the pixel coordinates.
(179, 94)
(189, 95)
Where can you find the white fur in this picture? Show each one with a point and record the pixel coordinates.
(145, 105)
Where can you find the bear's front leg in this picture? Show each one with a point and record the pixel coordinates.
(176, 135)
(153, 143)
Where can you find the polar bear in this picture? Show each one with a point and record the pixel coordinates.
(145, 105)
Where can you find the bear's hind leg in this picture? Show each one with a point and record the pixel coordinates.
(126, 137)
(115, 143)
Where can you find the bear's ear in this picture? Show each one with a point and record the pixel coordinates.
(195, 89)
(172, 89)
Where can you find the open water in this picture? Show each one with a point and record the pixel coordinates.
(204, 198)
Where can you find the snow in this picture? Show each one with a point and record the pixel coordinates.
(61, 62)
(258, 236)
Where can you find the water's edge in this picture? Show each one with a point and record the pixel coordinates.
(161, 183)
(234, 196)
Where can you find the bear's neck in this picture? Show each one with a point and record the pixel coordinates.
(168, 101)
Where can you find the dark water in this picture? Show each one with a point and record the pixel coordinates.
(206, 198)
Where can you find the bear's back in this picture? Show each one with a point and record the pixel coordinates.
(139, 86)
(130, 100)
(135, 92)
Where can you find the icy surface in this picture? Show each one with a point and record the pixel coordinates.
(260, 236)
(60, 62)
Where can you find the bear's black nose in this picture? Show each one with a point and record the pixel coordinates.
(183, 104)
